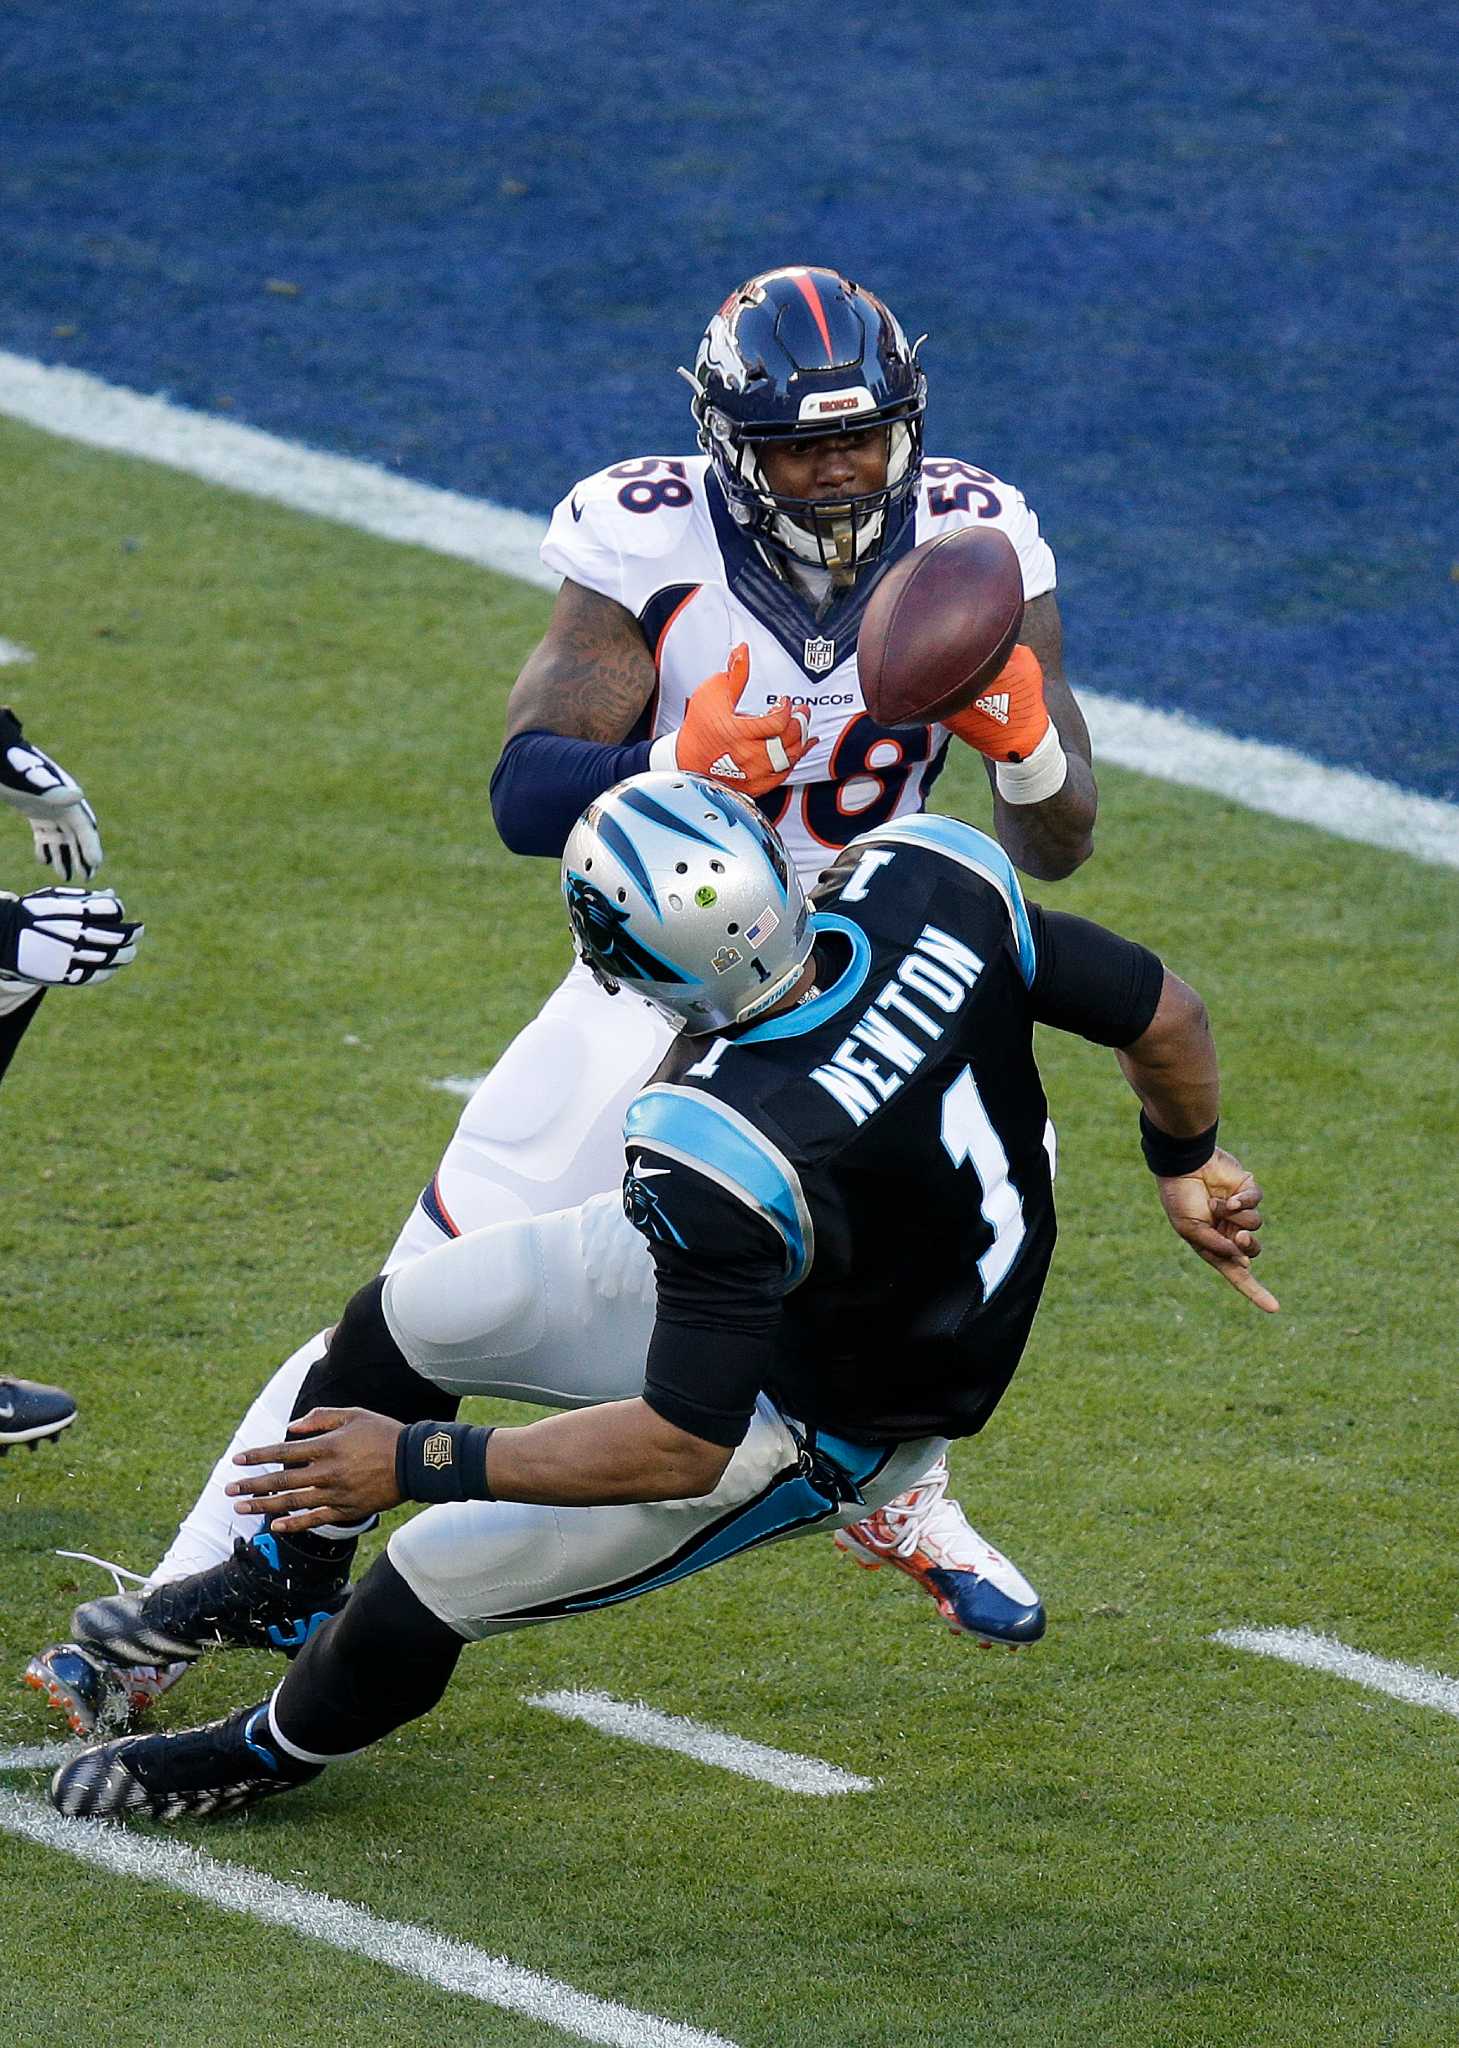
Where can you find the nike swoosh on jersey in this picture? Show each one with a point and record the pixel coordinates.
(576, 509)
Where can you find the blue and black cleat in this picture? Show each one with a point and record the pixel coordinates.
(198, 1773)
(270, 1594)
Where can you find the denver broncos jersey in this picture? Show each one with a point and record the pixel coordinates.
(850, 1206)
(657, 537)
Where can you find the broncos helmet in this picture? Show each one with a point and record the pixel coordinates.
(794, 354)
(679, 890)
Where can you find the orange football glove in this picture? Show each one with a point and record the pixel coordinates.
(1006, 720)
(751, 754)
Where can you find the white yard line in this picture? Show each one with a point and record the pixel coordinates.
(1410, 1682)
(638, 1723)
(464, 1085)
(13, 655)
(101, 415)
(1166, 745)
(414, 1951)
(1277, 780)
(38, 1756)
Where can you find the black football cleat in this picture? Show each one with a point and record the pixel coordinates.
(29, 1413)
(269, 1594)
(197, 1774)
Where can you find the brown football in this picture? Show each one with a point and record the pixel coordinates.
(940, 625)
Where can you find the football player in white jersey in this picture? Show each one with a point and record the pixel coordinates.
(707, 620)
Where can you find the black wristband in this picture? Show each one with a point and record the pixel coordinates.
(1170, 1157)
(436, 1461)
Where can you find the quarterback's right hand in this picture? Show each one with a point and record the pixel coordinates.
(63, 823)
(752, 754)
(63, 937)
(1217, 1210)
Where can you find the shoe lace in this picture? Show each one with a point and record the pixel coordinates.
(907, 1516)
(119, 1572)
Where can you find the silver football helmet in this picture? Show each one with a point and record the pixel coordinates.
(678, 889)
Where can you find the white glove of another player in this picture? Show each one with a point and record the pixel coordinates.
(62, 821)
(60, 938)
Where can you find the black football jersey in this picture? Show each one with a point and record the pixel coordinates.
(850, 1205)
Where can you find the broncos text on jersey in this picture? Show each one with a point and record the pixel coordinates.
(655, 535)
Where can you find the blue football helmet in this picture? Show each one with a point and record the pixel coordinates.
(679, 890)
(799, 353)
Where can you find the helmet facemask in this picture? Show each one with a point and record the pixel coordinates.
(839, 535)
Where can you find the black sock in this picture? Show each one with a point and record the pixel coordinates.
(365, 1368)
(385, 1660)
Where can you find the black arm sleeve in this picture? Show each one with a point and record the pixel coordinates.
(1091, 981)
(12, 924)
(15, 1023)
(720, 1269)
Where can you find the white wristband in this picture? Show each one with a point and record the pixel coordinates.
(1040, 776)
(664, 751)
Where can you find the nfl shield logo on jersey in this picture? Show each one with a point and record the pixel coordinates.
(819, 656)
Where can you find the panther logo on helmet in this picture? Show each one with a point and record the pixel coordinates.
(609, 948)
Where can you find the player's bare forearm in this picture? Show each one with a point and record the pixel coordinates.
(339, 1464)
(600, 1457)
(1172, 1065)
(1050, 839)
(590, 675)
(1215, 1207)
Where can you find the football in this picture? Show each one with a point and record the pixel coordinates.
(940, 625)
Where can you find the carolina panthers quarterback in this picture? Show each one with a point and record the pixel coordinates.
(707, 621)
(841, 1180)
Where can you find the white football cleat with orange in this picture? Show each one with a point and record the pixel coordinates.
(927, 1536)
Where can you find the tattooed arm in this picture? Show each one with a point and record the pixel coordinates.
(589, 676)
(1052, 838)
(579, 695)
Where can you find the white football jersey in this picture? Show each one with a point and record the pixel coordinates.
(656, 536)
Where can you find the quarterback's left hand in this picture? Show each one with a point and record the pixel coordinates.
(339, 1466)
(1008, 719)
(63, 823)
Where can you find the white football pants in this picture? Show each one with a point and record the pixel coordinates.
(542, 1133)
(559, 1309)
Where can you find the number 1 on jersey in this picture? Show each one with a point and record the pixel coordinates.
(968, 1136)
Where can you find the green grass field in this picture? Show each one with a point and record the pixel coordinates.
(1129, 1836)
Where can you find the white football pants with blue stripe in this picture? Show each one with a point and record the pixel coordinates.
(543, 1132)
(559, 1309)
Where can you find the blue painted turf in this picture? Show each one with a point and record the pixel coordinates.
(1189, 277)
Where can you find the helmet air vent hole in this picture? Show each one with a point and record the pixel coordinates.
(716, 867)
(587, 863)
(732, 929)
(681, 867)
(622, 895)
